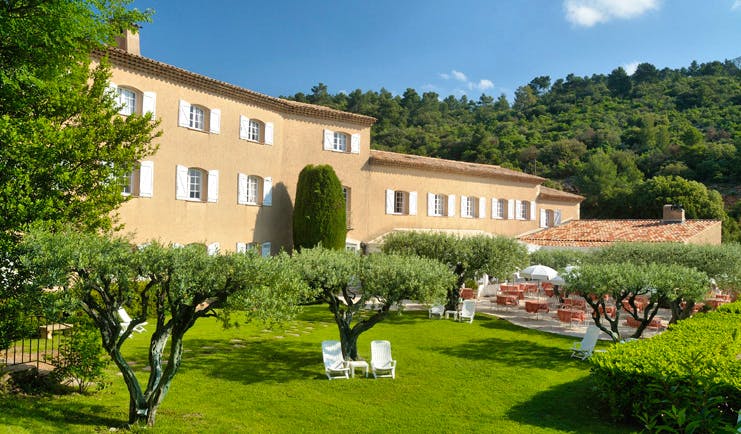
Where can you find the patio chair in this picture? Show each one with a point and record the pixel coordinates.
(334, 362)
(468, 310)
(584, 349)
(382, 365)
(126, 321)
(438, 310)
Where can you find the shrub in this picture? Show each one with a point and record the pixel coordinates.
(686, 379)
(558, 258)
(319, 215)
(81, 359)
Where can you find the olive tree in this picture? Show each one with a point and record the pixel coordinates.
(348, 283)
(624, 283)
(100, 274)
(467, 258)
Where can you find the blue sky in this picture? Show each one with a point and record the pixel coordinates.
(458, 47)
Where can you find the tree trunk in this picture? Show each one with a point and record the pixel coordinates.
(454, 293)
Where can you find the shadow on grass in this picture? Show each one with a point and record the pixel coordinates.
(278, 361)
(566, 407)
(510, 352)
(20, 409)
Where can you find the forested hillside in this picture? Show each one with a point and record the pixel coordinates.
(627, 143)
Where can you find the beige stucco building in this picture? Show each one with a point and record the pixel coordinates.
(229, 158)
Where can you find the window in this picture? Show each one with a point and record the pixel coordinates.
(196, 119)
(550, 218)
(199, 118)
(254, 190)
(140, 181)
(400, 202)
(436, 204)
(523, 211)
(339, 142)
(195, 183)
(128, 184)
(253, 131)
(468, 206)
(127, 100)
(499, 208)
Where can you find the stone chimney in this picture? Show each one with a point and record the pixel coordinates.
(129, 42)
(673, 214)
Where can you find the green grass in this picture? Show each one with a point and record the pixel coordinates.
(489, 376)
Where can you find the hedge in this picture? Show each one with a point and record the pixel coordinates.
(686, 379)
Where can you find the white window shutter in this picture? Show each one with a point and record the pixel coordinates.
(241, 247)
(265, 249)
(241, 189)
(269, 132)
(213, 248)
(355, 144)
(518, 210)
(511, 209)
(464, 210)
(184, 114)
(215, 121)
(213, 185)
(390, 201)
(328, 140)
(149, 103)
(482, 207)
(543, 218)
(412, 203)
(267, 191)
(430, 204)
(533, 210)
(451, 205)
(181, 182)
(557, 217)
(494, 203)
(244, 127)
(146, 179)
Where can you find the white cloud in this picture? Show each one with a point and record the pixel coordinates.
(459, 76)
(485, 84)
(587, 13)
(445, 76)
(631, 67)
(736, 5)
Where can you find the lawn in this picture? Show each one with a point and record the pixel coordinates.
(489, 376)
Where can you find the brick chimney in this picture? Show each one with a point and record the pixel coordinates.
(673, 214)
(129, 42)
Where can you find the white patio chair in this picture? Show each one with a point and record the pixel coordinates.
(126, 320)
(584, 349)
(468, 310)
(438, 310)
(382, 365)
(334, 363)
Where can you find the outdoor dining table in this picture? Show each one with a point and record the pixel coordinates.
(640, 304)
(534, 306)
(507, 300)
(510, 287)
(530, 287)
(548, 291)
(576, 302)
(569, 315)
(715, 302)
(519, 293)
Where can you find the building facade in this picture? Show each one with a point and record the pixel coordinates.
(229, 158)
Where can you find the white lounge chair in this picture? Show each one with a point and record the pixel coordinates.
(468, 310)
(126, 320)
(382, 365)
(584, 349)
(334, 362)
(438, 310)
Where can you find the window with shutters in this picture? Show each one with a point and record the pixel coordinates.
(339, 143)
(253, 189)
(197, 118)
(469, 206)
(128, 181)
(127, 99)
(255, 130)
(139, 182)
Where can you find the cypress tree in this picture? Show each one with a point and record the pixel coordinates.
(319, 213)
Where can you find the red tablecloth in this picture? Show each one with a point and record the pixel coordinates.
(568, 315)
(576, 302)
(530, 287)
(519, 293)
(640, 305)
(510, 287)
(533, 306)
(632, 322)
(548, 291)
(507, 300)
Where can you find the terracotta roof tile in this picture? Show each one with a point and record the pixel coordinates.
(547, 193)
(385, 158)
(123, 59)
(597, 233)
